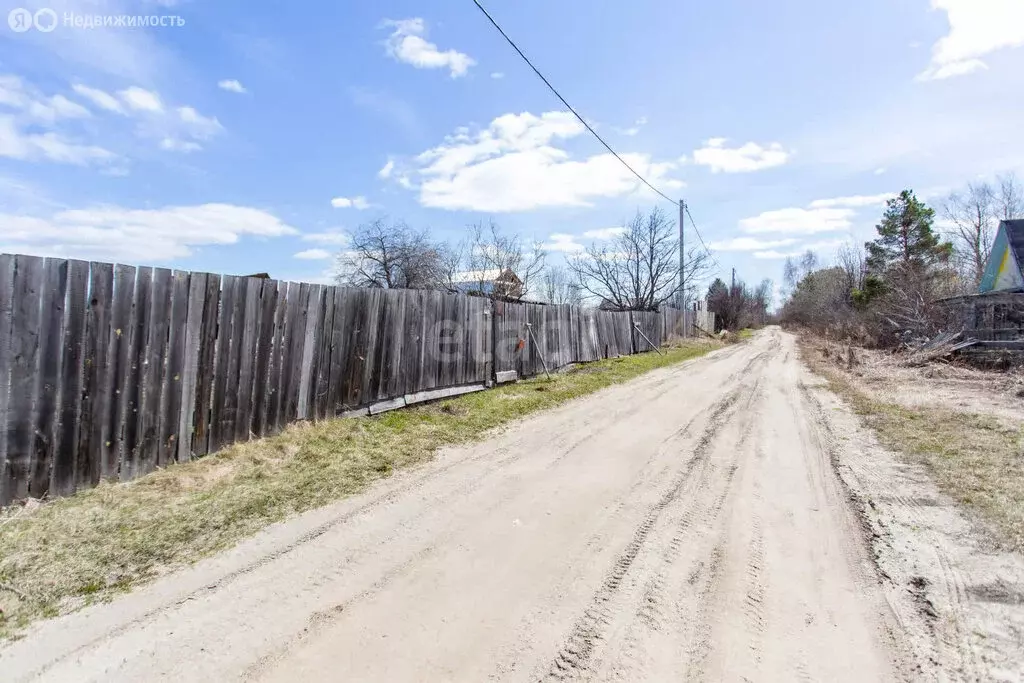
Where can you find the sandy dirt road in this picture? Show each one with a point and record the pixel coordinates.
(689, 525)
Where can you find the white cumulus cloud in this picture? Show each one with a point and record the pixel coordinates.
(140, 99)
(854, 202)
(99, 98)
(17, 143)
(976, 28)
(634, 129)
(821, 215)
(175, 129)
(32, 104)
(231, 85)
(798, 221)
(517, 163)
(329, 237)
(58, 107)
(176, 145)
(407, 43)
(314, 254)
(387, 169)
(350, 203)
(823, 245)
(604, 233)
(744, 159)
(199, 126)
(750, 244)
(563, 242)
(150, 235)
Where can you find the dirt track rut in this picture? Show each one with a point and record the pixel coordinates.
(689, 525)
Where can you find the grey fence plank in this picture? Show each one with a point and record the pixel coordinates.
(98, 387)
(171, 381)
(463, 335)
(476, 323)
(446, 324)
(354, 330)
(230, 414)
(247, 358)
(374, 303)
(313, 302)
(223, 386)
(461, 338)
(430, 345)
(6, 303)
(445, 376)
(190, 364)
(46, 458)
(264, 349)
(153, 361)
(487, 341)
(325, 347)
(202, 417)
(75, 465)
(389, 346)
(68, 461)
(297, 315)
(130, 466)
(339, 352)
(318, 312)
(119, 352)
(501, 345)
(412, 335)
(27, 289)
(278, 378)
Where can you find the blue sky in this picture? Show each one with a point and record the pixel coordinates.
(253, 136)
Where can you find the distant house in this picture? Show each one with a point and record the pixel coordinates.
(503, 284)
(1003, 270)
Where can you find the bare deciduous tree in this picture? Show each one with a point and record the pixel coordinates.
(852, 259)
(737, 306)
(974, 215)
(697, 266)
(795, 270)
(492, 257)
(558, 287)
(1010, 199)
(808, 262)
(639, 269)
(392, 256)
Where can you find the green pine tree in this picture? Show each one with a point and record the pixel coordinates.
(906, 240)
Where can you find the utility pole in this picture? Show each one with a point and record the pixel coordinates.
(733, 279)
(682, 255)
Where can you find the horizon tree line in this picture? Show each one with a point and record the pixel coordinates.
(638, 269)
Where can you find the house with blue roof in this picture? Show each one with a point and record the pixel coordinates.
(1003, 270)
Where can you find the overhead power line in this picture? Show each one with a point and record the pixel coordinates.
(590, 128)
(569, 106)
(696, 230)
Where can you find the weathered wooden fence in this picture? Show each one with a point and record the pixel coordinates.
(111, 371)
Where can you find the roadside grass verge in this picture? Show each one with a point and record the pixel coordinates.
(62, 555)
(975, 459)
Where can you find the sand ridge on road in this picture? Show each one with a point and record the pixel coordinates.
(689, 524)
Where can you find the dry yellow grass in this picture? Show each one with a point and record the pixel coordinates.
(978, 460)
(64, 554)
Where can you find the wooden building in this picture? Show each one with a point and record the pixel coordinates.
(996, 312)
